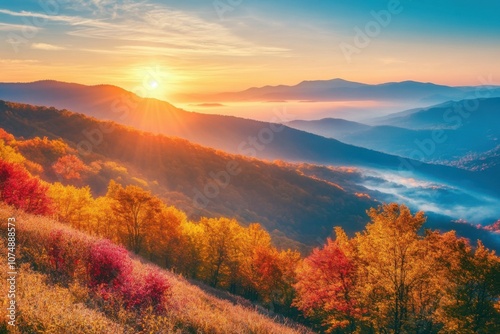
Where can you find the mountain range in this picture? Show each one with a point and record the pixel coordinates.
(445, 133)
(230, 134)
(202, 181)
(343, 90)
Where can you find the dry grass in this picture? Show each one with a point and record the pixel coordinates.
(47, 307)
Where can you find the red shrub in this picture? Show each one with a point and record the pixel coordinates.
(111, 277)
(24, 192)
(66, 251)
(149, 290)
(154, 290)
(108, 265)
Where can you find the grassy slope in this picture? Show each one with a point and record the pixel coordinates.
(45, 307)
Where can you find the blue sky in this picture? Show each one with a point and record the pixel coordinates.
(254, 43)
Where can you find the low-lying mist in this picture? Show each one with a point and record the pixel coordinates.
(439, 198)
(447, 207)
(303, 110)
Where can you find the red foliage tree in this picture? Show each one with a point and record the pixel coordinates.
(19, 189)
(326, 283)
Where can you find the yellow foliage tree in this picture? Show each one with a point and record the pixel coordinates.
(72, 205)
(397, 268)
(189, 261)
(222, 250)
(136, 213)
(164, 239)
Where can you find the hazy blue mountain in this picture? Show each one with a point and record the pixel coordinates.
(329, 127)
(488, 161)
(481, 113)
(342, 90)
(444, 133)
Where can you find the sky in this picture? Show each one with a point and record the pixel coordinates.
(183, 47)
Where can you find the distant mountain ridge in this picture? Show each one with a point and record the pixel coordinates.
(343, 90)
(441, 133)
(478, 112)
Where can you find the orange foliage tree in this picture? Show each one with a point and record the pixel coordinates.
(69, 167)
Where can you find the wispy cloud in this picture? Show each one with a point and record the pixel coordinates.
(45, 46)
(171, 31)
(18, 61)
(58, 18)
(163, 30)
(14, 27)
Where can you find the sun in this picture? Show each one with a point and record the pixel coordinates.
(156, 80)
(153, 84)
(151, 81)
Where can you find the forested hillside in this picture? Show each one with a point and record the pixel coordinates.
(198, 180)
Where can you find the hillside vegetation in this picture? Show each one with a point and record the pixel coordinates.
(56, 293)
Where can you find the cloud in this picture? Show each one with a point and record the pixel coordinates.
(48, 47)
(171, 31)
(14, 27)
(154, 29)
(18, 61)
(58, 18)
(433, 197)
